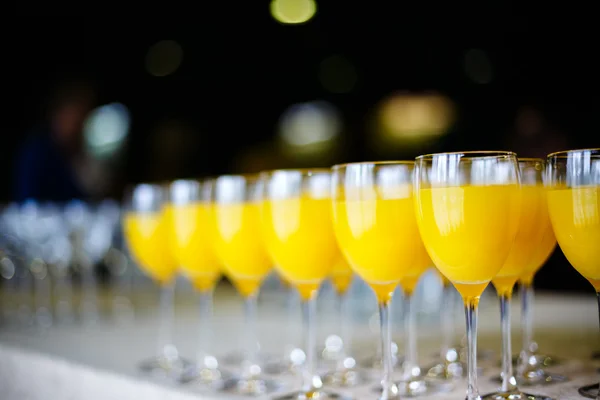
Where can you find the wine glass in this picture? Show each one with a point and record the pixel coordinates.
(376, 228)
(534, 225)
(296, 222)
(530, 364)
(241, 251)
(573, 183)
(191, 238)
(467, 207)
(146, 228)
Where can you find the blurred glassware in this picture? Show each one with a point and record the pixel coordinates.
(58, 254)
(35, 230)
(191, 235)
(146, 226)
(240, 248)
(79, 219)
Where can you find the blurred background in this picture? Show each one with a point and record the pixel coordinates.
(98, 100)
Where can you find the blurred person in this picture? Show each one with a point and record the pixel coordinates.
(52, 164)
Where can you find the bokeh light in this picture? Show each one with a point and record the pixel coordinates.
(164, 58)
(106, 129)
(293, 11)
(411, 120)
(337, 74)
(309, 129)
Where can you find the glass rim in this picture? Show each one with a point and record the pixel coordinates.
(129, 188)
(246, 176)
(566, 153)
(186, 181)
(303, 171)
(374, 163)
(531, 159)
(472, 154)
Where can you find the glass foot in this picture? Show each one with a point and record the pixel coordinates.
(418, 386)
(535, 378)
(544, 360)
(316, 394)
(249, 387)
(516, 395)
(590, 391)
(344, 378)
(171, 367)
(446, 371)
(205, 376)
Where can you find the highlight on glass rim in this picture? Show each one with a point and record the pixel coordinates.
(260, 205)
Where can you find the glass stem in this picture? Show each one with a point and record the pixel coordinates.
(251, 367)
(527, 317)
(410, 365)
(446, 321)
(508, 379)
(471, 318)
(310, 380)
(342, 330)
(292, 323)
(345, 326)
(205, 328)
(389, 388)
(166, 349)
(526, 327)
(89, 307)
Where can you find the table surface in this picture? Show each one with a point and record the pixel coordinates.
(98, 360)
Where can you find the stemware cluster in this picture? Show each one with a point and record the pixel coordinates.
(49, 253)
(478, 217)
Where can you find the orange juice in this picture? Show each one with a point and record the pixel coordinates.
(341, 276)
(299, 237)
(575, 216)
(534, 228)
(469, 231)
(240, 245)
(192, 243)
(147, 238)
(542, 253)
(380, 239)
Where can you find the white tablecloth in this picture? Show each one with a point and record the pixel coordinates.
(98, 361)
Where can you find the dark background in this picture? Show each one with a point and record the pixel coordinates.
(241, 69)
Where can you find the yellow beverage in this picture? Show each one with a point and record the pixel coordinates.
(240, 245)
(469, 231)
(543, 252)
(534, 229)
(192, 243)
(409, 283)
(380, 239)
(575, 216)
(341, 276)
(147, 238)
(299, 237)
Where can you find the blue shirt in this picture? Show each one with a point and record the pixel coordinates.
(43, 172)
